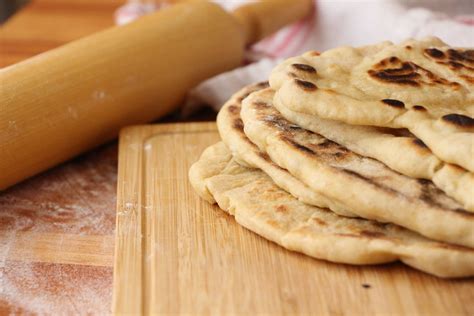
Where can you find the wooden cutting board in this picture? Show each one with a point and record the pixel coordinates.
(175, 253)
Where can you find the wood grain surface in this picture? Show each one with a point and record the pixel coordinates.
(45, 24)
(80, 95)
(56, 229)
(176, 254)
(56, 239)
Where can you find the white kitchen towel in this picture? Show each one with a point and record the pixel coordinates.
(332, 23)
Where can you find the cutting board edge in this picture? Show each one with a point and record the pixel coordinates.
(128, 300)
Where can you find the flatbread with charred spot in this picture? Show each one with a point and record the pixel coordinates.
(397, 148)
(368, 187)
(424, 86)
(232, 133)
(262, 207)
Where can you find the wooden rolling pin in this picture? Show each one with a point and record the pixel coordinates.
(68, 100)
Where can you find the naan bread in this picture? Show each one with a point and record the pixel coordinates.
(367, 186)
(424, 86)
(232, 133)
(262, 207)
(398, 149)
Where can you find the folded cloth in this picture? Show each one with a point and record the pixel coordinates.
(332, 23)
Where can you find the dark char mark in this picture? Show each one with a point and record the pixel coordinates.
(394, 59)
(264, 156)
(263, 85)
(238, 124)
(459, 120)
(428, 191)
(357, 175)
(406, 74)
(419, 108)
(306, 85)
(327, 143)
(280, 123)
(234, 109)
(304, 67)
(463, 56)
(261, 104)
(300, 147)
(394, 103)
(419, 143)
(369, 181)
(435, 53)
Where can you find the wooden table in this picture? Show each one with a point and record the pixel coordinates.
(46, 24)
(56, 238)
(56, 230)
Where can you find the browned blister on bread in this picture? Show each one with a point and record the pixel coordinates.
(368, 187)
(231, 129)
(423, 85)
(261, 206)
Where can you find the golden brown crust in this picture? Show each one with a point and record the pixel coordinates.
(393, 70)
(338, 157)
(259, 205)
(455, 59)
(231, 129)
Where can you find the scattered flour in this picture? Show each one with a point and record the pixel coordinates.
(75, 198)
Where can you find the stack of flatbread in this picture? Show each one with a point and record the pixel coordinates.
(354, 155)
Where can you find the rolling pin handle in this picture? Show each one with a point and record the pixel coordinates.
(265, 17)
